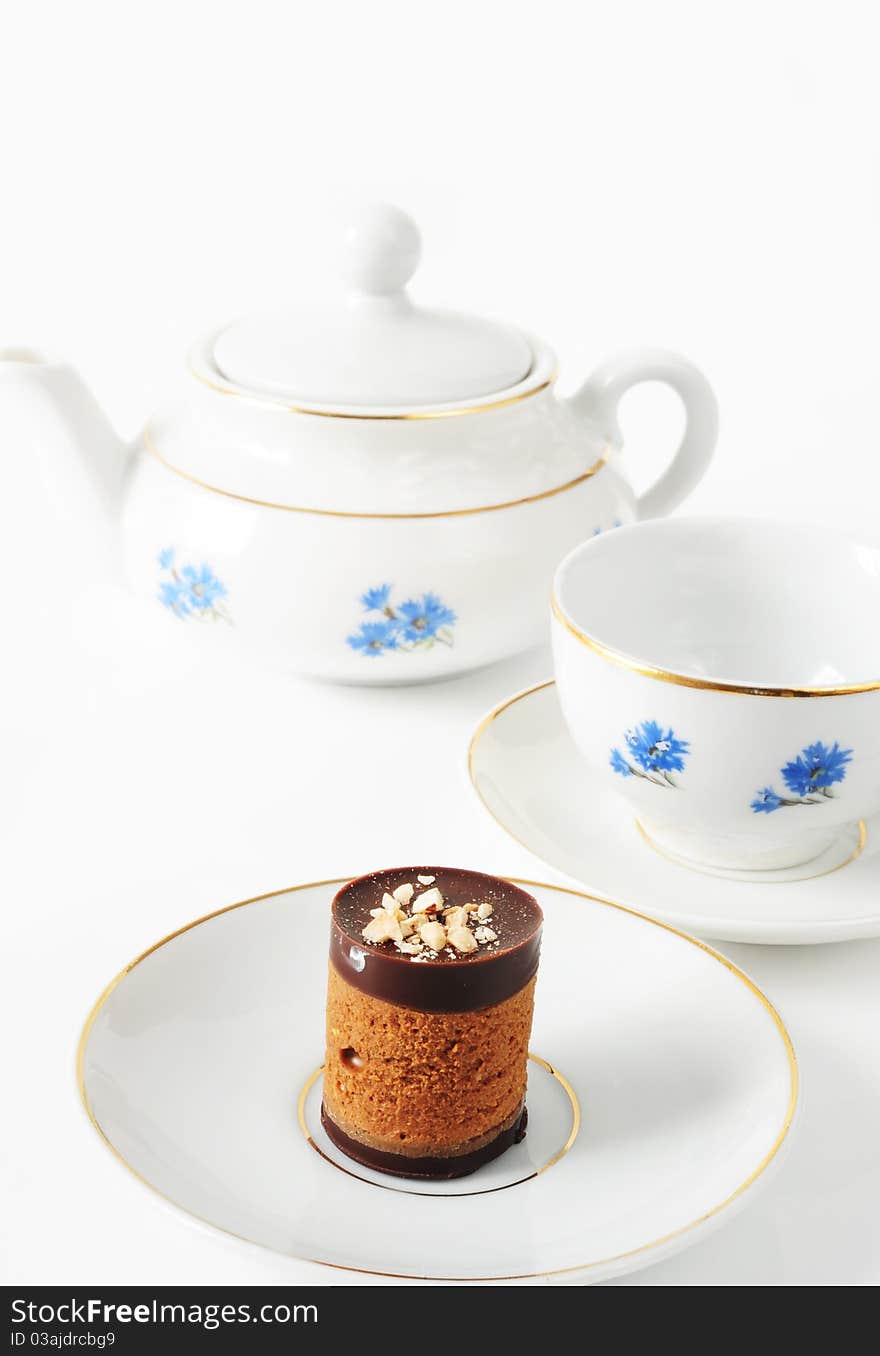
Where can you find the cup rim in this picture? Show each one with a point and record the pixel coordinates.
(681, 677)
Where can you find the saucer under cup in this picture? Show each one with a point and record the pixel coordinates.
(529, 776)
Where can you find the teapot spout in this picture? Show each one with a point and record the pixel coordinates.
(61, 438)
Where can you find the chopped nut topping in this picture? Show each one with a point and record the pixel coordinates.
(430, 900)
(424, 926)
(462, 939)
(433, 934)
(385, 928)
(456, 917)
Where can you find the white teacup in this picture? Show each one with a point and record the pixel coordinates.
(724, 676)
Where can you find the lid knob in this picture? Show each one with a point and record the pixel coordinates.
(382, 250)
(377, 350)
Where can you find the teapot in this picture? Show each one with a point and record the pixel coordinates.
(378, 493)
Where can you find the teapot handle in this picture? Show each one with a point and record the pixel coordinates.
(601, 394)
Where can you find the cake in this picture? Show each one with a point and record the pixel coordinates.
(429, 1011)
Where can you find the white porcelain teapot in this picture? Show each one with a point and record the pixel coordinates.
(377, 494)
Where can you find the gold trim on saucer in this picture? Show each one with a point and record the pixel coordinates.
(228, 388)
(766, 877)
(472, 749)
(691, 680)
(342, 513)
(531, 1275)
(410, 1191)
(499, 711)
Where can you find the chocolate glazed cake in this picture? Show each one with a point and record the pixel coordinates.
(429, 1011)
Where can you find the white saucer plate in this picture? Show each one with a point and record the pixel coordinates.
(662, 1091)
(528, 774)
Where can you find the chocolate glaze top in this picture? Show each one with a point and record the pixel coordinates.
(447, 981)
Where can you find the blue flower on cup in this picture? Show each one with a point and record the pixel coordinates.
(619, 763)
(809, 777)
(191, 592)
(417, 623)
(766, 801)
(651, 753)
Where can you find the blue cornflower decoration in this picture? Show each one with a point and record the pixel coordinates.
(374, 638)
(417, 624)
(766, 801)
(202, 587)
(172, 596)
(423, 619)
(809, 777)
(816, 768)
(656, 750)
(376, 600)
(619, 763)
(654, 753)
(191, 591)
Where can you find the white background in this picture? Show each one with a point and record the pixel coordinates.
(703, 176)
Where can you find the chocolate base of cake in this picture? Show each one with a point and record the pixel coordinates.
(428, 1166)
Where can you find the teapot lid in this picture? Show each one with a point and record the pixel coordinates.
(377, 348)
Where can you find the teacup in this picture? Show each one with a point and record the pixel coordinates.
(724, 676)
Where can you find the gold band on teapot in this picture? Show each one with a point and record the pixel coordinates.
(342, 513)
